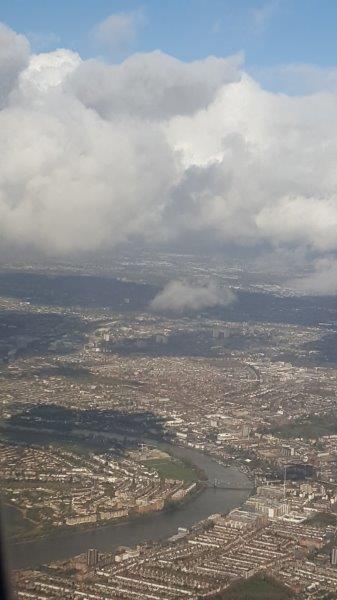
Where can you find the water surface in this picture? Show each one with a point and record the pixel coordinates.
(152, 527)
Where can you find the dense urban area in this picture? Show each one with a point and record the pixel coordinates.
(107, 403)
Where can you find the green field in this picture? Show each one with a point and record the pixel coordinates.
(312, 427)
(17, 527)
(322, 519)
(173, 469)
(257, 588)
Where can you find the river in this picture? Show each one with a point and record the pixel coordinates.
(153, 527)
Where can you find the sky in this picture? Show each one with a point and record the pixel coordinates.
(185, 124)
(270, 32)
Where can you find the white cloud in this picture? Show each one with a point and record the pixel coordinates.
(160, 150)
(118, 30)
(47, 70)
(258, 167)
(14, 54)
(153, 85)
(178, 296)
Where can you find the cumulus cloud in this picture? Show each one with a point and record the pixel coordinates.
(14, 53)
(160, 150)
(258, 167)
(152, 86)
(178, 296)
(46, 70)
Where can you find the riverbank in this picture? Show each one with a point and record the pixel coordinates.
(154, 527)
(24, 526)
(57, 533)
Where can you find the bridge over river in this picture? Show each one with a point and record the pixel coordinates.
(154, 527)
(229, 485)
